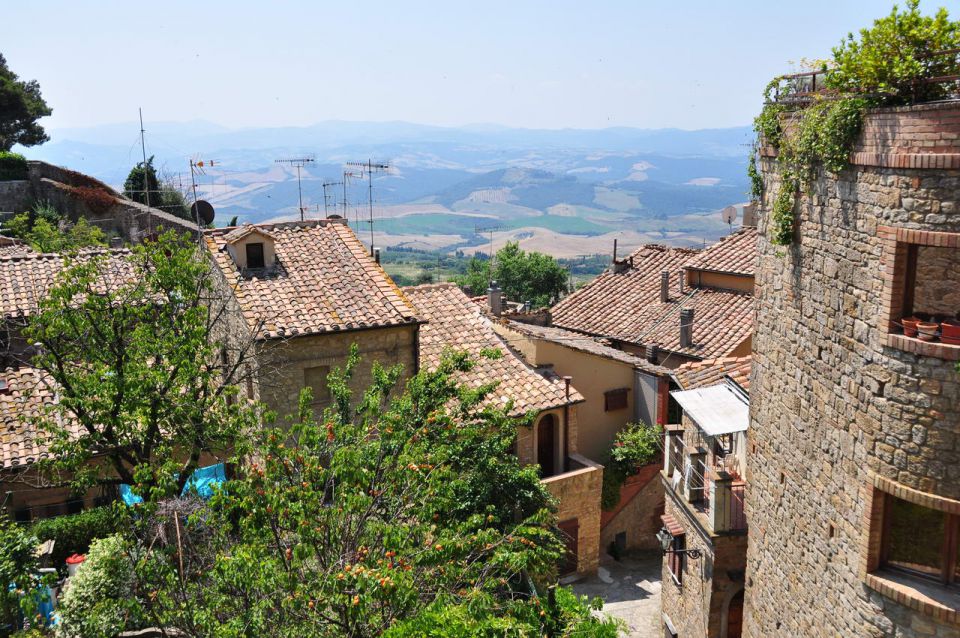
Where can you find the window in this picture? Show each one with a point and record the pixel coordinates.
(75, 506)
(675, 561)
(615, 400)
(921, 540)
(255, 255)
(316, 379)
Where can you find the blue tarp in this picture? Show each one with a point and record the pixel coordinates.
(202, 481)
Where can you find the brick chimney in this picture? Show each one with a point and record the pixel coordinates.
(653, 353)
(495, 299)
(664, 286)
(686, 327)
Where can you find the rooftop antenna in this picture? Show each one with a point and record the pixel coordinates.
(347, 176)
(326, 198)
(298, 163)
(369, 167)
(729, 215)
(198, 167)
(146, 182)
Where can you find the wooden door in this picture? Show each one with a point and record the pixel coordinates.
(735, 616)
(546, 440)
(570, 530)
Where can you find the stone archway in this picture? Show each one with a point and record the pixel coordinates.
(731, 614)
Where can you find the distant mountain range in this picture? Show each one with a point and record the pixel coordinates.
(448, 188)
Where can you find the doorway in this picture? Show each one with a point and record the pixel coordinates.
(546, 445)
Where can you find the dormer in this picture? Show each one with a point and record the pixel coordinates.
(251, 248)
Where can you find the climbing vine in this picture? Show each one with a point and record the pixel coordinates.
(883, 66)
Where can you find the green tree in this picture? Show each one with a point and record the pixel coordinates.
(46, 231)
(20, 573)
(407, 509)
(522, 276)
(21, 105)
(889, 57)
(142, 378)
(162, 193)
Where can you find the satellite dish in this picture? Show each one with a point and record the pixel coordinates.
(202, 210)
(728, 214)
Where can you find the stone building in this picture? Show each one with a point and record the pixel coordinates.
(704, 482)
(671, 305)
(303, 293)
(854, 489)
(618, 388)
(552, 440)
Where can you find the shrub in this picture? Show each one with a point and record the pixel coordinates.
(99, 602)
(12, 166)
(633, 447)
(74, 533)
(19, 566)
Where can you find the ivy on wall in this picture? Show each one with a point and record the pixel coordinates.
(887, 64)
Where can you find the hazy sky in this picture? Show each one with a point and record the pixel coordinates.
(542, 64)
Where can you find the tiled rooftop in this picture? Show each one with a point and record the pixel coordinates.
(701, 374)
(28, 391)
(736, 253)
(458, 324)
(325, 280)
(626, 306)
(26, 278)
(584, 343)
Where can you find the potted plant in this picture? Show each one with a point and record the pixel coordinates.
(910, 325)
(928, 330)
(950, 332)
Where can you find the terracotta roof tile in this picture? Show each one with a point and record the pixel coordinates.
(584, 343)
(626, 306)
(702, 374)
(456, 323)
(28, 391)
(26, 278)
(324, 281)
(736, 253)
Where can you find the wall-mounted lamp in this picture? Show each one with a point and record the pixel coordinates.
(666, 540)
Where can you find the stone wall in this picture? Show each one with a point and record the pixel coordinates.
(834, 408)
(699, 605)
(282, 362)
(638, 514)
(578, 496)
(77, 195)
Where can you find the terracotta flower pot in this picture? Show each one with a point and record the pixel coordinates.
(910, 326)
(950, 332)
(928, 330)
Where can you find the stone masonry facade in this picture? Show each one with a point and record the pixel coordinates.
(844, 408)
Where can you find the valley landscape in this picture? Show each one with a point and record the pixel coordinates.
(449, 190)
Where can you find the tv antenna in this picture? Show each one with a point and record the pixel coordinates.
(326, 198)
(370, 167)
(729, 215)
(298, 163)
(347, 176)
(199, 167)
(491, 230)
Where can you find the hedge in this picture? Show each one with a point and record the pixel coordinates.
(12, 166)
(73, 533)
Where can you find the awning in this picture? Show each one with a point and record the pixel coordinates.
(716, 409)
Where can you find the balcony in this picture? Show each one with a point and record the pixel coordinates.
(707, 485)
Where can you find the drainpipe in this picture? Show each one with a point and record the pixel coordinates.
(566, 423)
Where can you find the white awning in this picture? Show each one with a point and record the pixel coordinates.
(717, 409)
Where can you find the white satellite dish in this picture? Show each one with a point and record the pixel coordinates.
(729, 215)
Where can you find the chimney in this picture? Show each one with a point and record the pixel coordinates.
(665, 286)
(614, 250)
(686, 327)
(749, 214)
(653, 352)
(495, 299)
(376, 255)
